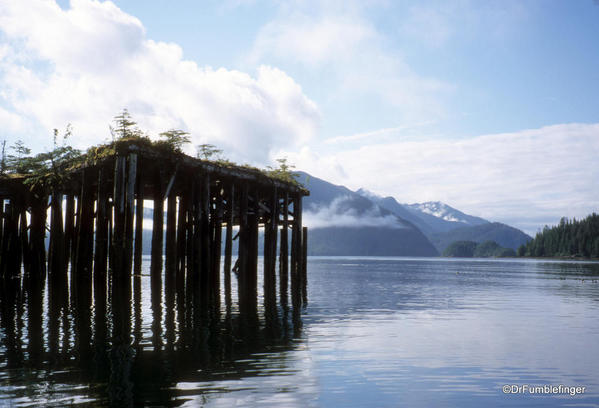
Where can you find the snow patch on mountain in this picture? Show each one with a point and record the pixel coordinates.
(439, 210)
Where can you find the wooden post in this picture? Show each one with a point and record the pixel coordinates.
(171, 235)
(297, 223)
(131, 186)
(69, 229)
(23, 233)
(284, 255)
(205, 261)
(38, 234)
(1, 225)
(270, 253)
(56, 237)
(139, 226)
(85, 230)
(11, 241)
(101, 251)
(191, 247)
(296, 253)
(229, 244)
(117, 251)
(157, 228)
(216, 245)
(305, 265)
(251, 285)
(85, 239)
(6, 238)
(243, 247)
(195, 249)
(182, 235)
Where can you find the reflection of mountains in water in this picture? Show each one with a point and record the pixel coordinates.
(131, 343)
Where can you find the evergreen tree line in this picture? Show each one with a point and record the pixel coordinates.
(569, 238)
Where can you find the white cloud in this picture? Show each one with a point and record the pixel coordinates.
(527, 178)
(337, 42)
(84, 64)
(339, 213)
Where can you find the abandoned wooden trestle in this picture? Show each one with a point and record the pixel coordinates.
(96, 225)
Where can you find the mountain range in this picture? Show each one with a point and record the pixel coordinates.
(360, 223)
(345, 222)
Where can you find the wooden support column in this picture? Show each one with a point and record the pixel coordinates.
(10, 241)
(157, 229)
(229, 243)
(304, 274)
(284, 255)
(38, 234)
(243, 247)
(131, 185)
(85, 230)
(101, 251)
(196, 247)
(270, 253)
(139, 226)
(216, 245)
(171, 227)
(205, 248)
(296, 236)
(100, 268)
(182, 235)
(23, 234)
(117, 251)
(1, 225)
(251, 285)
(57, 258)
(171, 235)
(4, 243)
(69, 230)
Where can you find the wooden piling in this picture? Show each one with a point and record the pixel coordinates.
(131, 186)
(205, 254)
(57, 253)
(216, 245)
(229, 243)
(37, 236)
(304, 274)
(69, 229)
(243, 247)
(251, 283)
(296, 236)
(117, 250)
(101, 248)
(23, 234)
(139, 226)
(157, 228)
(181, 236)
(171, 235)
(85, 231)
(284, 255)
(270, 252)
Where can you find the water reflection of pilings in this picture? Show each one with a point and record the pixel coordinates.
(104, 339)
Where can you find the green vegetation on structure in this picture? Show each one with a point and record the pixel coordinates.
(572, 238)
(471, 249)
(46, 170)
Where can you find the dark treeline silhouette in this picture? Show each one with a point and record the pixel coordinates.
(578, 238)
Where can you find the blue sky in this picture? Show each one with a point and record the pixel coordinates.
(491, 107)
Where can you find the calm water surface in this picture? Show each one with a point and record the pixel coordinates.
(383, 332)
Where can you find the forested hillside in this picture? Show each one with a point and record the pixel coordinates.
(568, 238)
